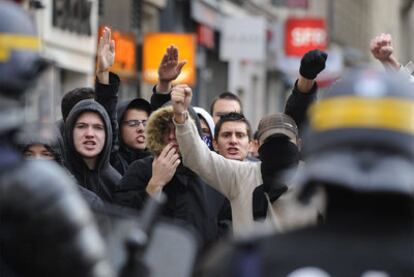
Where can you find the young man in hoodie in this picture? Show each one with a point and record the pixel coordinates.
(89, 138)
(132, 119)
(88, 141)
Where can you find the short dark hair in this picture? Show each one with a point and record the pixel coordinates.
(140, 104)
(228, 96)
(231, 117)
(74, 96)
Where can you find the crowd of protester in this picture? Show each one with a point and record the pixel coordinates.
(302, 193)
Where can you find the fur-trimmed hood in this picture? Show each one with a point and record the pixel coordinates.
(158, 124)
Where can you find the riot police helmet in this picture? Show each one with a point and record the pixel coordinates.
(20, 61)
(361, 134)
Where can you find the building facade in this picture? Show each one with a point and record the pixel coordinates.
(261, 75)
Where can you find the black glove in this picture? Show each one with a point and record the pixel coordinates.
(312, 63)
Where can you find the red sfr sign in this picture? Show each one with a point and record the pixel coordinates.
(304, 34)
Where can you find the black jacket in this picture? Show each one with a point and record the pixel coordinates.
(107, 96)
(189, 199)
(298, 103)
(296, 107)
(103, 179)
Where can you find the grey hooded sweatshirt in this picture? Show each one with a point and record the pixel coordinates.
(103, 178)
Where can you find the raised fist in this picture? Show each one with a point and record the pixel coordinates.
(381, 47)
(181, 98)
(312, 63)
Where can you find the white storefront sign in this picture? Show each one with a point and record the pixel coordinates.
(243, 38)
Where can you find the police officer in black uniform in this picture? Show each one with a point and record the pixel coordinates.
(360, 150)
(46, 229)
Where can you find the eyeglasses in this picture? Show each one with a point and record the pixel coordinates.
(136, 122)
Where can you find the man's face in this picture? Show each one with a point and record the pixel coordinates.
(224, 106)
(89, 135)
(133, 127)
(169, 136)
(233, 140)
(38, 152)
(204, 128)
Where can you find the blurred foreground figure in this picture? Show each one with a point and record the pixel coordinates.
(360, 149)
(46, 229)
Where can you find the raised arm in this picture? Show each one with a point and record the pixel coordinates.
(168, 70)
(305, 88)
(105, 56)
(382, 49)
(107, 83)
(221, 173)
